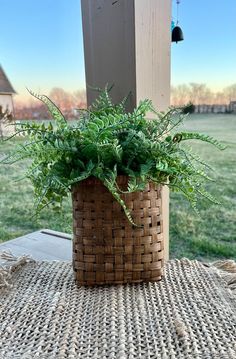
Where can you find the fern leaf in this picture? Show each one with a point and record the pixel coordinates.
(198, 136)
(110, 186)
(208, 196)
(52, 108)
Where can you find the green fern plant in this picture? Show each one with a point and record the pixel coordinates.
(106, 142)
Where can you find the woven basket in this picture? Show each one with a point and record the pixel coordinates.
(106, 247)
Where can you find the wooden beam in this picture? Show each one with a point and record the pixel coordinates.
(152, 51)
(109, 47)
(127, 43)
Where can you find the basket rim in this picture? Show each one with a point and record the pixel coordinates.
(120, 179)
(92, 180)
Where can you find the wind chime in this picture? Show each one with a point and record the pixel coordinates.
(177, 33)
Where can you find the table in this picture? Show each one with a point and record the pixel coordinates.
(44, 244)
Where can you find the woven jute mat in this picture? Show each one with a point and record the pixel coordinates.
(191, 313)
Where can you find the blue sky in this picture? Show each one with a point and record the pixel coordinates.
(208, 53)
(41, 44)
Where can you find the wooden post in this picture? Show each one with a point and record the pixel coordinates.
(127, 43)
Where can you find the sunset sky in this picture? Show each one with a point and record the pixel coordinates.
(41, 44)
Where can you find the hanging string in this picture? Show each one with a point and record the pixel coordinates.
(177, 11)
(177, 33)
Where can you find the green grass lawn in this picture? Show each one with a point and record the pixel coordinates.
(210, 236)
(213, 234)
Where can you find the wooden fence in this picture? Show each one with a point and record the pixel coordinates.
(230, 108)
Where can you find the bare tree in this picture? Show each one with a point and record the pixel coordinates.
(180, 95)
(230, 92)
(199, 94)
(220, 98)
(80, 99)
(62, 98)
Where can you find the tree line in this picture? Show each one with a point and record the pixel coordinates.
(67, 102)
(199, 94)
(196, 93)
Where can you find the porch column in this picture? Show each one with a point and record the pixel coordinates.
(127, 43)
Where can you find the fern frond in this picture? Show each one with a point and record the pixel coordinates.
(110, 186)
(103, 101)
(52, 108)
(207, 195)
(198, 136)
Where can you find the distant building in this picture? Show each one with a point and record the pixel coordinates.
(232, 106)
(6, 102)
(6, 92)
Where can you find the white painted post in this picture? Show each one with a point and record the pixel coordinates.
(127, 43)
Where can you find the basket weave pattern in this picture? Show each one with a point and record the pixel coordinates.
(106, 247)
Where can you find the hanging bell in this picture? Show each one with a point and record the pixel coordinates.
(177, 34)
